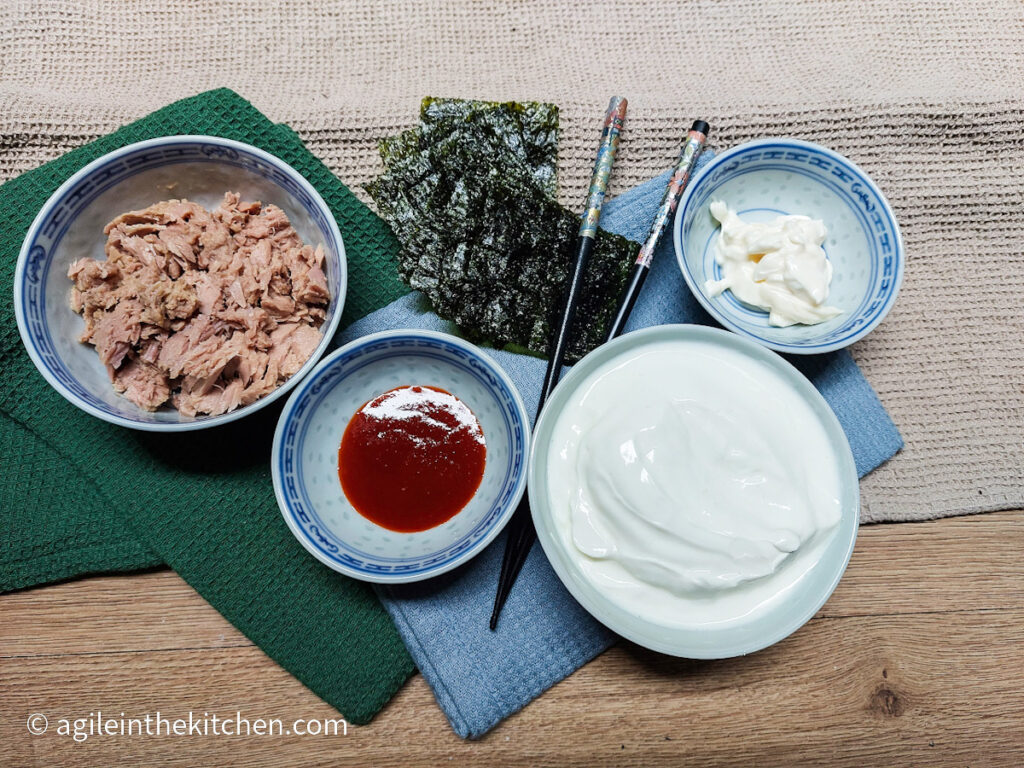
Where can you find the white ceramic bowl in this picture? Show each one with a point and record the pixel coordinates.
(764, 627)
(766, 178)
(305, 454)
(70, 226)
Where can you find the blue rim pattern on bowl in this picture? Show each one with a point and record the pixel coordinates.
(299, 511)
(851, 184)
(82, 188)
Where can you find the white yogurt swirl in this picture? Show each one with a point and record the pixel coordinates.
(691, 484)
(686, 498)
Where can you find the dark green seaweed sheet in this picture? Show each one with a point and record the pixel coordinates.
(469, 195)
(524, 133)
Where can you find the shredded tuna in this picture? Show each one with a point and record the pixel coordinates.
(205, 310)
(142, 383)
(291, 344)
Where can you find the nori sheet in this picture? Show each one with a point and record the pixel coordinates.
(470, 196)
(527, 131)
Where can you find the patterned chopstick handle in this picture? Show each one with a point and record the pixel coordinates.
(691, 150)
(613, 120)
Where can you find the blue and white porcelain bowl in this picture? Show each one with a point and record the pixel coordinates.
(70, 226)
(305, 454)
(766, 178)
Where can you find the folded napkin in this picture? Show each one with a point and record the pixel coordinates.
(480, 677)
(78, 495)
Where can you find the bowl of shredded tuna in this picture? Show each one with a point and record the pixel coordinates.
(180, 283)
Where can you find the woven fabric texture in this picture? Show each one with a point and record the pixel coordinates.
(202, 503)
(40, 541)
(924, 95)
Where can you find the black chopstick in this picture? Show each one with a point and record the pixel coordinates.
(688, 156)
(521, 533)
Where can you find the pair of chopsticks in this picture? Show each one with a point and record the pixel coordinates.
(521, 533)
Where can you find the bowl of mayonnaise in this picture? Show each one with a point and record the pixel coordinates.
(790, 244)
(693, 491)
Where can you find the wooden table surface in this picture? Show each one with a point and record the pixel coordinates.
(918, 659)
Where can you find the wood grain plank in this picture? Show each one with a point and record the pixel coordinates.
(958, 563)
(904, 568)
(918, 689)
(917, 660)
(103, 614)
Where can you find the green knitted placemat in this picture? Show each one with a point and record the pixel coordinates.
(78, 495)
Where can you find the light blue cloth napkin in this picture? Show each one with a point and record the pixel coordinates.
(481, 677)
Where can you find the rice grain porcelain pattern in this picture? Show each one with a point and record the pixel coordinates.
(771, 177)
(305, 454)
(70, 226)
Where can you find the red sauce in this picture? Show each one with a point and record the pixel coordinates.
(411, 458)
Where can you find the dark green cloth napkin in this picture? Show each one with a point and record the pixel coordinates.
(80, 496)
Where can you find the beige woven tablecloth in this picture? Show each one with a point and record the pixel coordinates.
(926, 96)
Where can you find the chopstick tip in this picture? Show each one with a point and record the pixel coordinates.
(618, 105)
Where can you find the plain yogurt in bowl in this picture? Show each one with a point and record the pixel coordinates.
(693, 491)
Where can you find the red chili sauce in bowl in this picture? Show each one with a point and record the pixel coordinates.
(411, 458)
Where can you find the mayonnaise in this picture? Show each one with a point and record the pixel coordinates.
(691, 483)
(778, 266)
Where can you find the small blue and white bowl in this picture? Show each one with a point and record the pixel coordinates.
(70, 226)
(305, 455)
(771, 177)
